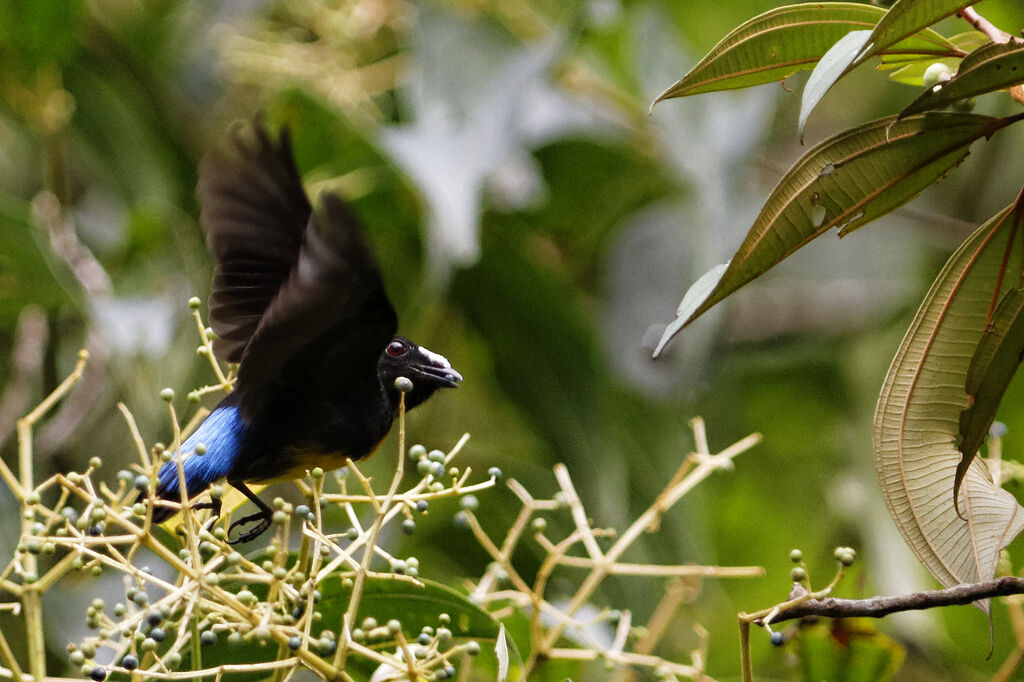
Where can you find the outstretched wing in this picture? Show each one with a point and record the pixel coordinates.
(255, 213)
(328, 324)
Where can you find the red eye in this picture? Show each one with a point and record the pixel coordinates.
(396, 349)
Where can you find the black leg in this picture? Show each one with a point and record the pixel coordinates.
(215, 505)
(265, 515)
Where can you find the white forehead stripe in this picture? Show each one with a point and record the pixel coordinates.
(436, 359)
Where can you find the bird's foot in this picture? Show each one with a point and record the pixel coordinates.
(214, 506)
(264, 518)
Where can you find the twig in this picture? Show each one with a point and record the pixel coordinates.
(879, 607)
(980, 23)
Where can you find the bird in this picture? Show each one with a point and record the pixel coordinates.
(297, 300)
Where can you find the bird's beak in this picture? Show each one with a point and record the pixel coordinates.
(436, 368)
(445, 377)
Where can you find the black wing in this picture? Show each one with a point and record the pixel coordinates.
(292, 301)
(255, 212)
(329, 322)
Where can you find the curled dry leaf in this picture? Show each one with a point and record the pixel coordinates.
(917, 420)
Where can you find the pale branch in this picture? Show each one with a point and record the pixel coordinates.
(879, 607)
(980, 23)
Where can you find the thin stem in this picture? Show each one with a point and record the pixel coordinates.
(360, 581)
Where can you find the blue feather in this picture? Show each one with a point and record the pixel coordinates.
(222, 434)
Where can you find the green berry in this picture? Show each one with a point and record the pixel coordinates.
(798, 574)
(167, 395)
(208, 638)
(469, 502)
(796, 556)
(404, 384)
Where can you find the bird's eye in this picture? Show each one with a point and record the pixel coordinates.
(396, 349)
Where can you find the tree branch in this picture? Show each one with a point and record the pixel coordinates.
(879, 607)
(980, 23)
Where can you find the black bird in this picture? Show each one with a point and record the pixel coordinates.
(298, 302)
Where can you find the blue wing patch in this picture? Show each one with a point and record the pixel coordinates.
(221, 433)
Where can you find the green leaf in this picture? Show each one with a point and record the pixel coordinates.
(909, 69)
(917, 418)
(905, 18)
(847, 181)
(412, 605)
(994, 363)
(385, 599)
(991, 67)
(830, 69)
(782, 41)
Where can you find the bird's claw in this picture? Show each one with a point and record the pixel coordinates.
(253, 533)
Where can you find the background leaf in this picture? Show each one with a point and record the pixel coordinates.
(918, 417)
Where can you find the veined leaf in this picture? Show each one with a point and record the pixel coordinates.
(847, 181)
(905, 18)
(784, 40)
(918, 417)
(909, 69)
(994, 363)
(991, 67)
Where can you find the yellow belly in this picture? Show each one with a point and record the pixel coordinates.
(306, 460)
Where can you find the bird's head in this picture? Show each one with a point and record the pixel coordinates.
(427, 370)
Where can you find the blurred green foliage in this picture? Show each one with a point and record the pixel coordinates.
(535, 225)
